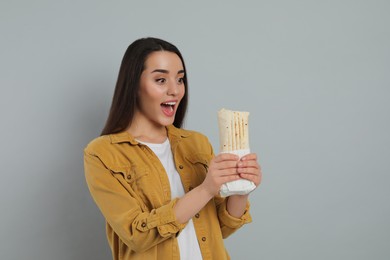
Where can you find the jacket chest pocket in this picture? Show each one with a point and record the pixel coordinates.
(138, 181)
(200, 163)
(130, 174)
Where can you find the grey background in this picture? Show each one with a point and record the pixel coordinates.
(313, 74)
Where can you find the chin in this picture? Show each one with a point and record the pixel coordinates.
(165, 121)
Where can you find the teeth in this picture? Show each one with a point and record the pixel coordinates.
(170, 103)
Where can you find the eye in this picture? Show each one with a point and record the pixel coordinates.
(180, 80)
(161, 80)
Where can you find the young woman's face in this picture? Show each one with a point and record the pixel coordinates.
(161, 88)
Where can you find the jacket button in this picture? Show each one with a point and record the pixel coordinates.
(197, 215)
(143, 224)
(129, 177)
(203, 239)
(181, 167)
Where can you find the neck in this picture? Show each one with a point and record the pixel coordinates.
(147, 132)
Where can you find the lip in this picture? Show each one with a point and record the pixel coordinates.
(169, 101)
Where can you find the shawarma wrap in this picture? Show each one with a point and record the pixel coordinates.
(234, 138)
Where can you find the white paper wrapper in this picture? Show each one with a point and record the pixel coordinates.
(238, 187)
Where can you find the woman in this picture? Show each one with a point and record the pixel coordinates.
(156, 184)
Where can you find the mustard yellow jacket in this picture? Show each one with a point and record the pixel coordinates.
(131, 188)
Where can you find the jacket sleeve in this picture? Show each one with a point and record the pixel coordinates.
(137, 227)
(228, 223)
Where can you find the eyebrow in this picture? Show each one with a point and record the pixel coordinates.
(166, 71)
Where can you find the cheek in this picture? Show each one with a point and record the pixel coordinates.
(182, 92)
(150, 94)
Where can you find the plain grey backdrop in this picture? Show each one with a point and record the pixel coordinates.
(313, 74)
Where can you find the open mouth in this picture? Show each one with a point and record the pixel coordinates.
(169, 105)
(168, 108)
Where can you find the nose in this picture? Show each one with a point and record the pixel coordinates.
(173, 88)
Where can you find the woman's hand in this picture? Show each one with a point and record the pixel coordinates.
(222, 169)
(248, 168)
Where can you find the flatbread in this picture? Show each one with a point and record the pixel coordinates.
(233, 130)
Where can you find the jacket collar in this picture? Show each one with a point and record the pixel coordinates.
(174, 134)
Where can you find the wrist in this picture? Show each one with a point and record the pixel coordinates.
(204, 192)
(236, 205)
(239, 197)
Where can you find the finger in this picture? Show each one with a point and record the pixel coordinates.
(229, 178)
(250, 163)
(254, 178)
(226, 157)
(227, 165)
(249, 170)
(227, 172)
(250, 156)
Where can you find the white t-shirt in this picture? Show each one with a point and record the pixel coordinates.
(187, 240)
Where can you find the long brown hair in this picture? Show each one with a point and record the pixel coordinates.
(124, 101)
